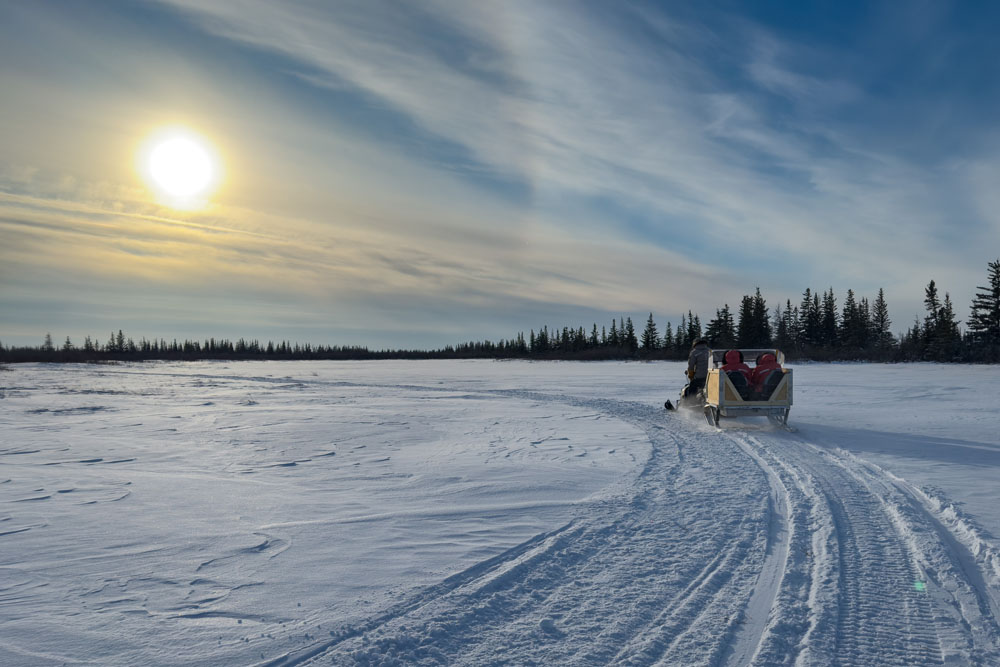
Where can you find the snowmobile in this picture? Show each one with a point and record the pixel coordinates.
(721, 397)
(688, 399)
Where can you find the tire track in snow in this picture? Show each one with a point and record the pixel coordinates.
(974, 561)
(882, 618)
(906, 590)
(764, 600)
(949, 570)
(488, 570)
(796, 579)
(659, 575)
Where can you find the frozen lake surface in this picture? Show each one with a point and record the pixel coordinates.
(440, 512)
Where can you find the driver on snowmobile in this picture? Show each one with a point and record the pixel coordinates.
(697, 367)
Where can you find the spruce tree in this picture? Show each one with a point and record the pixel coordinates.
(762, 323)
(754, 326)
(984, 318)
(782, 332)
(911, 344)
(744, 326)
(933, 305)
(809, 320)
(693, 329)
(650, 335)
(631, 342)
(941, 335)
(880, 323)
(818, 311)
(792, 327)
(949, 337)
(853, 326)
(721, 331)
(712, 330)
(865, 315)
(928, 339)
(728, 328)
(828, 320)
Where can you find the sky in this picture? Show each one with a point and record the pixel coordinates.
(412, 175)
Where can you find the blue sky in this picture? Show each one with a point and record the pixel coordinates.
(418, 174)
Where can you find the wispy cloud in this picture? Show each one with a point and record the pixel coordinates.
(567, 101)
(396, 161)
(365, 268)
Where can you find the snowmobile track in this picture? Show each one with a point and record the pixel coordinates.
(746, 544)
(731, 547)
(646, 578)
(904, 589)
(748, 641)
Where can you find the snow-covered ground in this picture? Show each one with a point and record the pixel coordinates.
(485, 512)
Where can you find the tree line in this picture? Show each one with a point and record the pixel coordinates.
(817, 328)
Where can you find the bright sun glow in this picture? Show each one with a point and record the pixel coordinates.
(181, 166)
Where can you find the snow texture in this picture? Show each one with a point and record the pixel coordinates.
(468, 513)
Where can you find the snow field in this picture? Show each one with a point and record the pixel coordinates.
(213, 515)
(479, 512)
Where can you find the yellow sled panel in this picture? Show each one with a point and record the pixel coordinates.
(732, 396)
(720, 392)
(712, 387)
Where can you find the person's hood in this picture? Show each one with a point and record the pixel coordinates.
(732, 357)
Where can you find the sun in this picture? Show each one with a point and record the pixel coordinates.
(181, 166)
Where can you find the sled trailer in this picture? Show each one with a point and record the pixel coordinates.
(724, 398)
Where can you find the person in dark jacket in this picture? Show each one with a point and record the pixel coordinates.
(766, 375)
(697, 367)
(739, 373)
(734, 362)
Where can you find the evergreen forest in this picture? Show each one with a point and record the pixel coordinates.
(818, 327)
